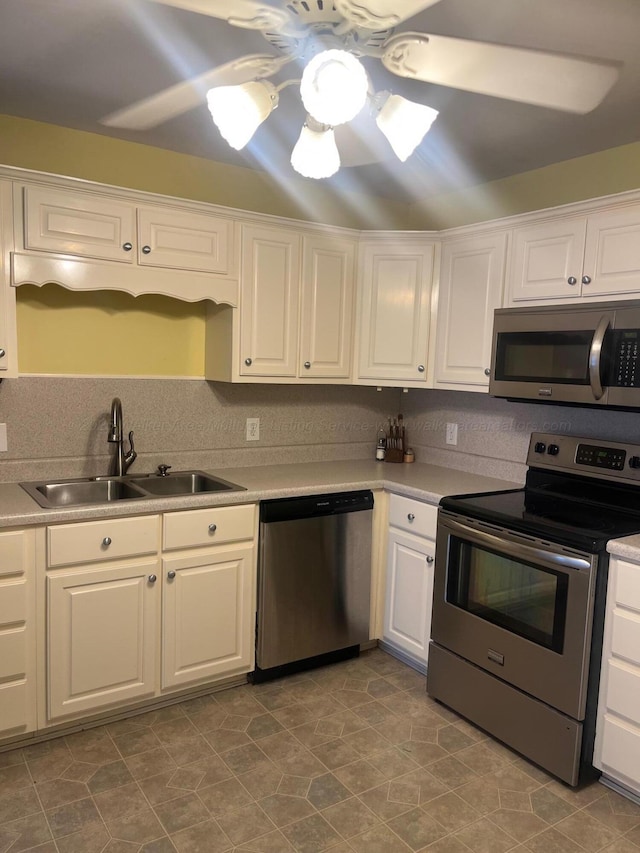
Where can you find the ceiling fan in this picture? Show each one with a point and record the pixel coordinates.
(327, 37)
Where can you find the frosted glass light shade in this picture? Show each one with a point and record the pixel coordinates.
(405, 124)
(238, 111)
(315, 154)
(334, 87)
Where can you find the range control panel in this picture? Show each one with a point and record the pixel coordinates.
(611, 461)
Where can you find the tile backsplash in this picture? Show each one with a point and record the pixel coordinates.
(57, 426)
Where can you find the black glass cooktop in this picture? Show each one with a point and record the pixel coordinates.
(573, 511)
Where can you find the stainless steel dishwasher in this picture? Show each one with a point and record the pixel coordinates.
(314, 581)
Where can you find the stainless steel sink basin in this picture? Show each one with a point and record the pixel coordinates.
(97, 490)
(82, 492)
(184, 483)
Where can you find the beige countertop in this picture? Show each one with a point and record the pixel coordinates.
(628, 548)
(424, 482)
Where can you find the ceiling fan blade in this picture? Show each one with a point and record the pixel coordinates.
(380, 14)
(571, 83)
(186, 96)
(250, 14)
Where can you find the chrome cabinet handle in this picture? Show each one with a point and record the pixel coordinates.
(421, 368)
(248, 362)
(2, 353)
(411, 516)
(106, 542)
(171, 575)
(127, 246)
(487, 371)
(146, 250)
(213, 528)
(586, 279)
(429, 559)
(307, 364)
(572, 280)
(152, 578)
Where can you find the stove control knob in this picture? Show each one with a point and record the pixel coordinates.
(539, 447)
(553, 450)
(634, 462)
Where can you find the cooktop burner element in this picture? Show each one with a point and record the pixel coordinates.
(579, 491)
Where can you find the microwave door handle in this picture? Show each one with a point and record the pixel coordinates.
(595, 356)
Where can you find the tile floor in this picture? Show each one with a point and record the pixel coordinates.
(352, 757)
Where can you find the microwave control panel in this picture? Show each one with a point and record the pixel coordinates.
(625, 372)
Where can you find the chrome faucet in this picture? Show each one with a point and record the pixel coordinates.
(121, 461)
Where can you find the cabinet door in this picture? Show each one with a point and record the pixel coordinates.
(102, 628)
(612, 254)
(180, 239)
(208, 626)
(79, 224)
(543, 259)
(8, 342)
(408, 602)
(327, 307)
(269, 296)
(394, 330)
(472, 277)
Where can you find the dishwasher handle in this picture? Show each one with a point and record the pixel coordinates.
(312, 506)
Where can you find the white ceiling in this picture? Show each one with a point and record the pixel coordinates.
(71, 62)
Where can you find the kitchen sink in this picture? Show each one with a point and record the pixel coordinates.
(98, 490)
(82, 492)
(184, 483)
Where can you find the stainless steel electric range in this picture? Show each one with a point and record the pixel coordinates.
(519, 596)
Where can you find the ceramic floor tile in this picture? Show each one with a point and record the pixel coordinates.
(350, 757)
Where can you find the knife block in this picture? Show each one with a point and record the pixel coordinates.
(394, 455)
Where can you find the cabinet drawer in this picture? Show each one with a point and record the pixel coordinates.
(13, 653)
(14, 701)
(13, 602)
(625, 636)
(208, 526)
(623, 690)
(621, 751)
(111, 539)
(628, 585)
(13, 552)
(413, 516)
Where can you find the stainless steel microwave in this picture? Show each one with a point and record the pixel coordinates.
(580, 354)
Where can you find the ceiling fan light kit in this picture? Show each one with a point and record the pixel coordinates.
(238, 111)
(331, 35)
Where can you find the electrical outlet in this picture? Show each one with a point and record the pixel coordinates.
(3, 437)
(253, 429)
(452, 434)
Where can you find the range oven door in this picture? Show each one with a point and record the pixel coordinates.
(519, 608)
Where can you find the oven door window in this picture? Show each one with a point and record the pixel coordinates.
(561, 357)
(522, 597)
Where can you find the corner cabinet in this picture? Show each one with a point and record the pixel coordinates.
(578, 257)
(396, 278)
(8, 340)
(411, 552)
(295, 320)
(617, 746)
(471, 286)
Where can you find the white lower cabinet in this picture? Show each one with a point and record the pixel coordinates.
(409, 580)
(617, 747)
(207, 615)
(17, 633)
(125, 622)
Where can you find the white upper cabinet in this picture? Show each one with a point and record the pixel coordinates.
(327, 307)
(94, 241)
(395, 308)
(595, 256)
(269, 300)
(471, 286)
(8, 342)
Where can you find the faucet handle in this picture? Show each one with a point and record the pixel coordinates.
(162, 470)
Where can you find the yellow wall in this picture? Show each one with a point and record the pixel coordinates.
(591, 176)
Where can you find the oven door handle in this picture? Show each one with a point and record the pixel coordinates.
(595, 357)
(559, 561)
